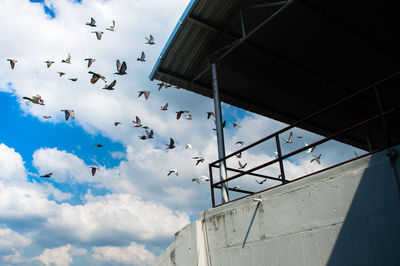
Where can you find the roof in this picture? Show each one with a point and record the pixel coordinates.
(289, 59)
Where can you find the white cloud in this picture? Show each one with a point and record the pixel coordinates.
(10, 239)
(11, 164)
(61, 256)
(133, 254)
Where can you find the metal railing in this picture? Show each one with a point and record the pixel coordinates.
(381, 114)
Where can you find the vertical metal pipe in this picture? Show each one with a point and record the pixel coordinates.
(220, 133)
(278, 149)
(381, 111)
(211, 186)
(242, 23)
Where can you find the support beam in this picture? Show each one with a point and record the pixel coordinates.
(220, 134)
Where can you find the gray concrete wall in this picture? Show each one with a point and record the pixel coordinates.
(349, 215)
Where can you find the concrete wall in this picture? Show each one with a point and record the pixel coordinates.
(349, 215)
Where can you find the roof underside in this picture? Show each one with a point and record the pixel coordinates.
(306, 56)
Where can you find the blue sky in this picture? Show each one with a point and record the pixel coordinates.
(129, 211)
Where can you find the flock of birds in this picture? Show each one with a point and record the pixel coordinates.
(121, 69)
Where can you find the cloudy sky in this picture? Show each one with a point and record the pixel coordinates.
(129, 211)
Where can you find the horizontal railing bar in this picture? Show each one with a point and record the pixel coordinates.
(237, 190)
(306, 118)
(307, 147)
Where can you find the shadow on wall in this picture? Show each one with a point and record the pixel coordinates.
(370, 234)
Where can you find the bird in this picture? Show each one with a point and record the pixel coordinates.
(137, 122)
(145, 93)
(236, 187)
(35, 99)
(145, 127)
(241, 142)
(242, 166)
(48, 63)
(73, 79)
(121, 69)
(143, 137)
(60, 74)
(96, 77)
(173, 171)
(150, 40)
(165, 107)
(149, 134)
(309, 150)
(48, 175)
(316, 158)
(205, 178)
(299, 137)
(111, 86)
(188, 117)
(12, 62)
(69, 113)
(68, 60)
(98, 145)
(94, 169)
(179, 113)
(223, 124)
(196, 179)
(198, 159)
(90, 61)
(209, 114)
(142, 57)
(171, 145)
(239, 155)
(98, 34)
(236, 124)
(161, 85)
(117, 123)
(46, 117)
(92, 22)
(290, 138)
(188, 146)
(166, 85)
(355, 154)
(112, 27)
(260, 182)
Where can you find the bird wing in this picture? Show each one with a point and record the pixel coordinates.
(94, 79)
(290, 139)
(118, 65)
(98, 35)
(113, 25)
(146, 94)
(112, 84)
(92, 21)
(94, 171)
(142, 56)
(123, 67)
(71, 113)
(66, 114)
(151, 38)
(178, 115)
(171, 142)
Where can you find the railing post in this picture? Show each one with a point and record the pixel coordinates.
(211, 185)
(381, 111)
(278, 149)
(220, 133)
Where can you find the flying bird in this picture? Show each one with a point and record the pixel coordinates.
(316, 158)
(46, 117)
(290, 138)
(98, 145)
(90, 61)
(60, 74)
(74, 79)
(98, 34)
(241, 142)
(205, 178)
(161, 85)
(172, 171)
(149, 134)
(145, 93)
(121, 69)
(48, 175)
(188, 146)
(165, 107)
(236, 187)
(261, 182)
(196, 179)
(171, 145)
(142, 57)
(35, 99)
(12, 62)
(111, 86)
(198, 159)
(48, 63)
(69, 113)
(242, 166)
(223, 125)
(94, 169)
(209, 114)
(137, 122)
(239, 155)
(179, 114)
(96, 77)
(143, 137)
(92, 22)
(309, 150)
(236, 124)
(68, 60)
(150, 40)
(355, 153)
(112, 27)
(188, 117)
(117, 123)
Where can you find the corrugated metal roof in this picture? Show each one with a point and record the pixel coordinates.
(309, 55)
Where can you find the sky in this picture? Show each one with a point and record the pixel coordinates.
(128, 212)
